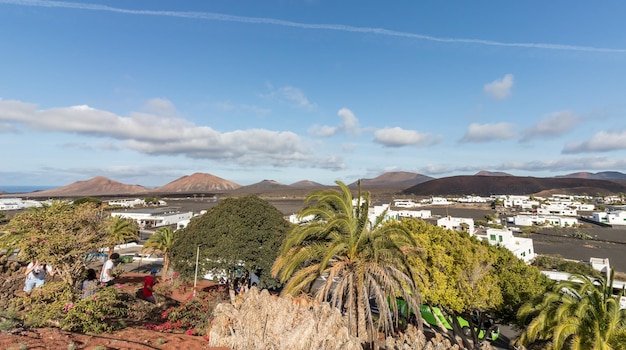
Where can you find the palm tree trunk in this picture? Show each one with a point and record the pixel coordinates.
(166, 265)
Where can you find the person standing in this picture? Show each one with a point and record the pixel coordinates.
(106, 275)
(36, 275)
(89, 286)
(148, 286)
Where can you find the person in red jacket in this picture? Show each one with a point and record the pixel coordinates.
(148, 286)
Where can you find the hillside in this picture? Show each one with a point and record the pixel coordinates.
(197, 183)
(388, 185)
(397, 179)
(97, 186)
(515, 185)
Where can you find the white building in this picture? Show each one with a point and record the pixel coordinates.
(439, 201)
(420, 214)
(522, 247)
(18, 203)
(541, 220)
(405, 203)
(611, 218)
(155, 217)
(457, 224)
(523, 202)
(127, 203)
(472, 199)
(556, 210)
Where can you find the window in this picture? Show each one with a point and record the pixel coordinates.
(492, 237)
(500, 236)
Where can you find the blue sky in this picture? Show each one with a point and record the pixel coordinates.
(144, 92)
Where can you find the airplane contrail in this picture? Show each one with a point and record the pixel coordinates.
(333, 27)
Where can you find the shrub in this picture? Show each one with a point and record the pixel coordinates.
(193, 316)
(102, 312)
(58, 305)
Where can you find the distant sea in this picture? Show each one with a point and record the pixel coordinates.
(24, 189)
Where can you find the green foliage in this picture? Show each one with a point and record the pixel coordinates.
(161, 241)
(120, 230)
(8, 319)
(3, 217)
(458, 270)
(581, 235)
(580, 313)
(84, 200)
(361, 260)
(57, 305)
(100, 313)
(518, 283)
(545, 262)
(60, 235)
(193, 315)
(245, 230)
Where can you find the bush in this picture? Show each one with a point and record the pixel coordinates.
(99, 313)
(193, 316)
(55, 304)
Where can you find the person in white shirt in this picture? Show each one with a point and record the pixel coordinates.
(106, 275)
(36, 275)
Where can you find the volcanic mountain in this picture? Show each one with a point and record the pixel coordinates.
(603, 175)
(197, 183)
(306, 184)
(492, 173)
(399, 179)
(515, 185)
(97, 186)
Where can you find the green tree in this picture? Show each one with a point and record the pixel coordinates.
(61, 235)
(580, 313)
(359, 260)
(238, 233)
(458, 276)
(120, 230)
(518, 283)
(82, 200)
(161, 241)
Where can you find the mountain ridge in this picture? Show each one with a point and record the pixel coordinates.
(484, 183)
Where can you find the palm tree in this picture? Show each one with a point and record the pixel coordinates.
(359, 260)
(161, 241)
(120, 230)
(580, 313)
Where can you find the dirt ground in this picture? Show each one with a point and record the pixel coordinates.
(136, 337)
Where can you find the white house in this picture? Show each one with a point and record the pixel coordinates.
(471, 199)
(541, 220)
(405, 203)
(439, 201)
(127, 203)
(522, 247)
(18, 203)
(421, 214)
(611, 218)
(457, 224)
(556, 210)
(155, 217)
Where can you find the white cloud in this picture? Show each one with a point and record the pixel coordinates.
(488, 132)
(290, 95)
(554, 124)
(398, 137)
(500, 89)
(349, 125)
(149, 134)
(160, 107)
(556, 166)
(603, 141)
